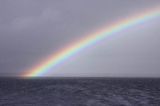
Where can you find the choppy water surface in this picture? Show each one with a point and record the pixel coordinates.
(79, 92)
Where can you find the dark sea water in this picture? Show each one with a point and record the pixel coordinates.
(80, 92)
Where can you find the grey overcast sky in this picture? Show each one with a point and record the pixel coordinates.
(30, 30)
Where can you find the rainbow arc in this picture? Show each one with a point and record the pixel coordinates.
(90, 39)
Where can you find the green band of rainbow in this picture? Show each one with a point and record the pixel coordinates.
(93, 38)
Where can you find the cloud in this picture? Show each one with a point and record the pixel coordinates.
(32, 29)
(47, 16)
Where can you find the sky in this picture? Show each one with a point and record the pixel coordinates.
(31, 30)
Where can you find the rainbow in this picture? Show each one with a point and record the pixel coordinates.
(91, 39)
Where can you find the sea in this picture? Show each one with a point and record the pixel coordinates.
(80, 91)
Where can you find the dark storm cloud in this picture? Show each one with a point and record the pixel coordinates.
(32, 29)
